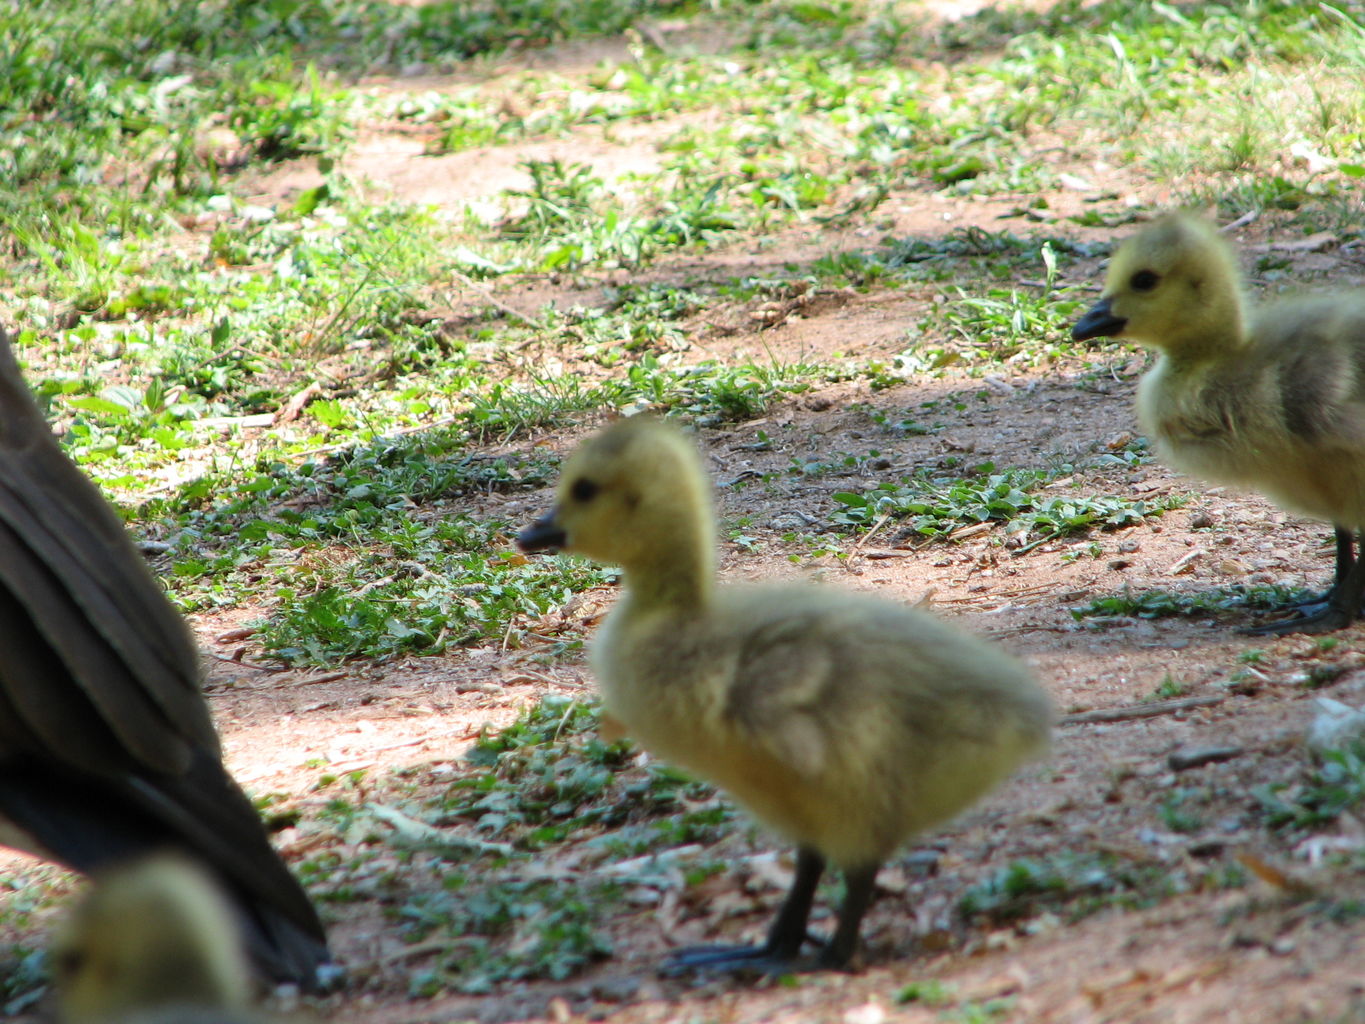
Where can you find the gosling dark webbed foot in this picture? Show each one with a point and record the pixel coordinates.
(1320, 618)
(1334, 610)
(753, 960)
(1308, 605)
(788, 936)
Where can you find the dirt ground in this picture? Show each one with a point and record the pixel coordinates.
(1271, 950)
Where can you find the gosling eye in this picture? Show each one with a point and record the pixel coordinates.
(68, 963)
(1144, 280)
(583, 489)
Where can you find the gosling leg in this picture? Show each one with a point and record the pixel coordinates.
(1346, 558)
(1339, 607)
(859, 885)
(785, 938)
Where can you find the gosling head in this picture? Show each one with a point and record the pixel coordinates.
(1174, 285)
(633, 495)
(150, 935)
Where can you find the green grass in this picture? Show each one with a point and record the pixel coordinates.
(528, 792)
(1331, 789)
(926, 993)
(934, 506)
(1179, 810)
(30, 891)
(500, 930)
(942, 998)
(549, 777)
(1169, 688)
(334, 546)
(23, 979)
(1073, 885)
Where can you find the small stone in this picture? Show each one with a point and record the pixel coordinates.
(868, 1013)
(1210, 847)
(619, 989)
(474, 686)
(789, 521)
(1336, 726)
(1195, 757)
(921, 863)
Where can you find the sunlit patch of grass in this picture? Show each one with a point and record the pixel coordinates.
(350, 571)
(935, 506)
(374, 609)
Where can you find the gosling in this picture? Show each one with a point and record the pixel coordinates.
(1271, 400)
(154, 940)
(845, 723)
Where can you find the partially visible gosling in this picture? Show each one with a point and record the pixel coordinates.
(844, 722)
(153, 940)
(1272, 400)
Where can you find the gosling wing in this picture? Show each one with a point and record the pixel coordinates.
(1316, 346)
(785, 681)
(816, 667)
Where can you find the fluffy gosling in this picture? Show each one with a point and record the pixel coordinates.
(846, 723)
(1272, 399)
(154, 940)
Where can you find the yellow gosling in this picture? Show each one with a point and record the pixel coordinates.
(153, 940)
(846, 723)
(1270, 399)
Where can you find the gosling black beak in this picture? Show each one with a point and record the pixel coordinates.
(545, 534)
(1100, 322)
